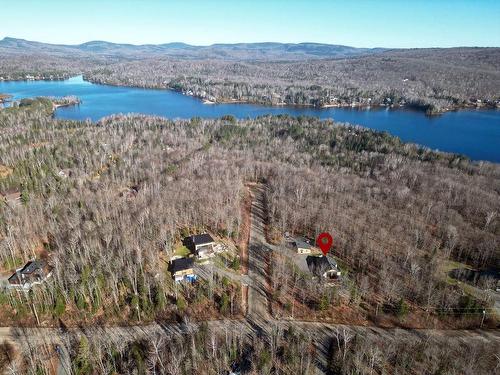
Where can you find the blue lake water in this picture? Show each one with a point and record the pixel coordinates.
(475, 133)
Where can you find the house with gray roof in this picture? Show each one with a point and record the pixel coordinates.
(301, 246)
(324, 267)
(33, 273)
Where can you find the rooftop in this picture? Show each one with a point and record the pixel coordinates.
(33, 265)
(201, 239)
(180, 264)
(321, 264)
(301, 243)
(33, 271)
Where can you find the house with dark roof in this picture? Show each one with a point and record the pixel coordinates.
(301, 246)
(201, 245)
(182, 269)
(33, 273)
(324, 267)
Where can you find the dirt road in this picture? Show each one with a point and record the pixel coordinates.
(258, 260)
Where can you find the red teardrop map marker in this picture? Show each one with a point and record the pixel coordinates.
(324, 242)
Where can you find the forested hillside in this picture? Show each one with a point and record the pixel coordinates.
(398, 212)
(434, 80)
(207, 350)
(236, 51)
(106, 203)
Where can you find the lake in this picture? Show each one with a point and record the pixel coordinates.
(475, 133)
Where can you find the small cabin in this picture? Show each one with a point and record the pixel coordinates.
(182, 269)
(202, 245)
(301, 246)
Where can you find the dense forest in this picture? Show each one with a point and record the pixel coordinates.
(107, 204)
(103, 246)
(209, 351)
(237, 51)
(39, 67)
(434, 80)
(399, 213)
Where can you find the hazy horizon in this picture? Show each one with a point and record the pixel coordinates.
(363, 24)
(232, 43)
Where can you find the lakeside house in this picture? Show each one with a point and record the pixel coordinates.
(201, 245)
(182, 269)
(301, 246)
(33, 273)
(322, 266)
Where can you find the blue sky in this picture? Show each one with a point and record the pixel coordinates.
(360, 23)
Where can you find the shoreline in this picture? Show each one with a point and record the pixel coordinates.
(5, 98)
(367, 107)
(410, 140)
(56, 106)
(64, 102)
(423, 109)
(426, 109)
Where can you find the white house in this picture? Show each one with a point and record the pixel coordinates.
(202, 245)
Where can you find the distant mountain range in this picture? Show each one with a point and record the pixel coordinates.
(238, 51)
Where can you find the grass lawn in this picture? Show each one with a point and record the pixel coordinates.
(450, 265)
(182, 251)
